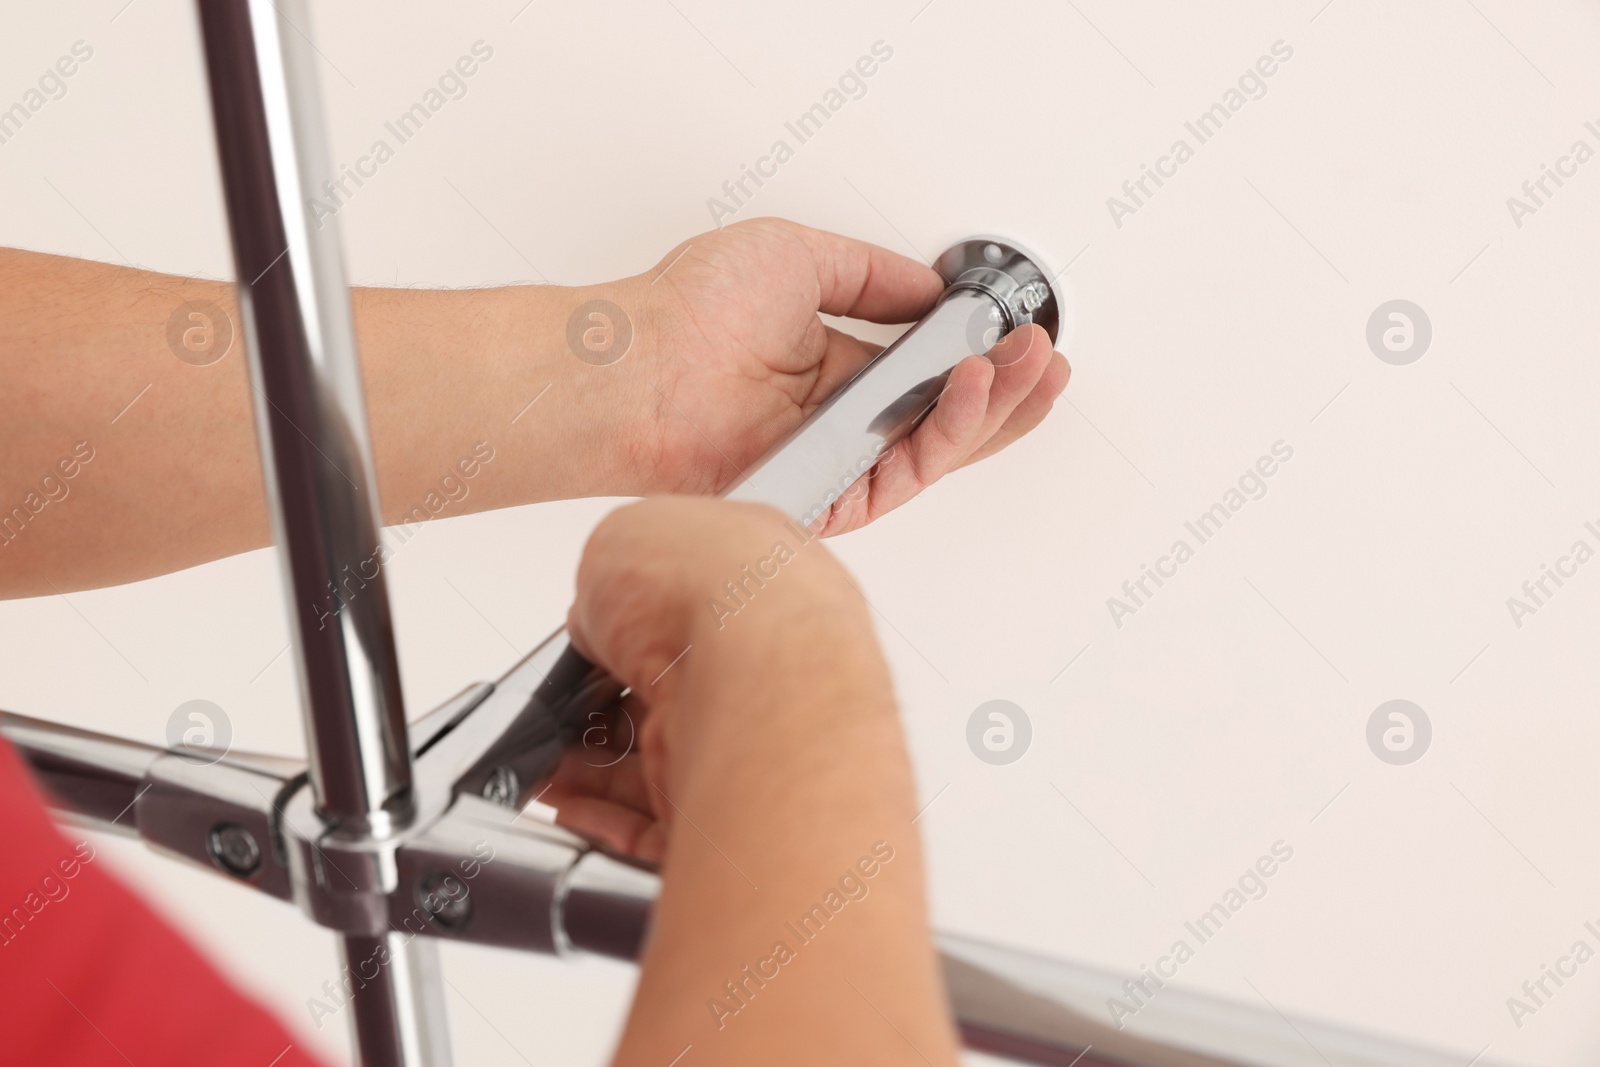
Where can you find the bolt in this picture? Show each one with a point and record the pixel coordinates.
(445, 897)
(1033, 296)
(234, 849)
(501, 787)
(993, 253)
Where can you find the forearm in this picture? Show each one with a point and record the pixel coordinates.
(131, 454)
(793, 870)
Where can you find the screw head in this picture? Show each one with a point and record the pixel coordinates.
(501, 787)
(446, 898)
(1033, 296)
(234, 849)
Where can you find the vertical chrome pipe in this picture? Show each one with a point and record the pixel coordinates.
(309, 411)
(320, 481)
(396, 1001)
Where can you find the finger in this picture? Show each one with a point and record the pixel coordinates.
(865, 281)
(1019, 360)
(609, 805)
(582, 774)
(1030, 412)
(616, 828)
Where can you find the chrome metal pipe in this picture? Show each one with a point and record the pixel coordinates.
(91, 777)
(844, 438)
(1045, 1010)
(321, 489)
(310, 417)
(397, 1014)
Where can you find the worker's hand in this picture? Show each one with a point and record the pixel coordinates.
(653, 609)
(769, 774)
(733, 354)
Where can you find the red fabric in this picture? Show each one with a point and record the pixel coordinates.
(90, 976)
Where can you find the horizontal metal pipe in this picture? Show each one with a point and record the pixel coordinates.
(1024, 1006)
(93, 777)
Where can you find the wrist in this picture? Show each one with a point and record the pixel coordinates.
(448, 371)
(564, 411)
(789, 706)
(794, 627)
(594, 346)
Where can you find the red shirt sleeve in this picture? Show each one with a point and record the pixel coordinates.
(91, 977)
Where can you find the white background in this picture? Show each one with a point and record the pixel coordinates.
(1224, 316)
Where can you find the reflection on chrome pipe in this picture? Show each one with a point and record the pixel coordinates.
(1039, 1009)
(92, 777)
(816, 465)
(397, 1000)
(309, 412)
(603, 906)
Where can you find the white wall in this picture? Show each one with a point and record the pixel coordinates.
(1227, 314)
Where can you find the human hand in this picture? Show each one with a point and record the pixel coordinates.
(770, 768)
(697, 681)
(732, 355)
